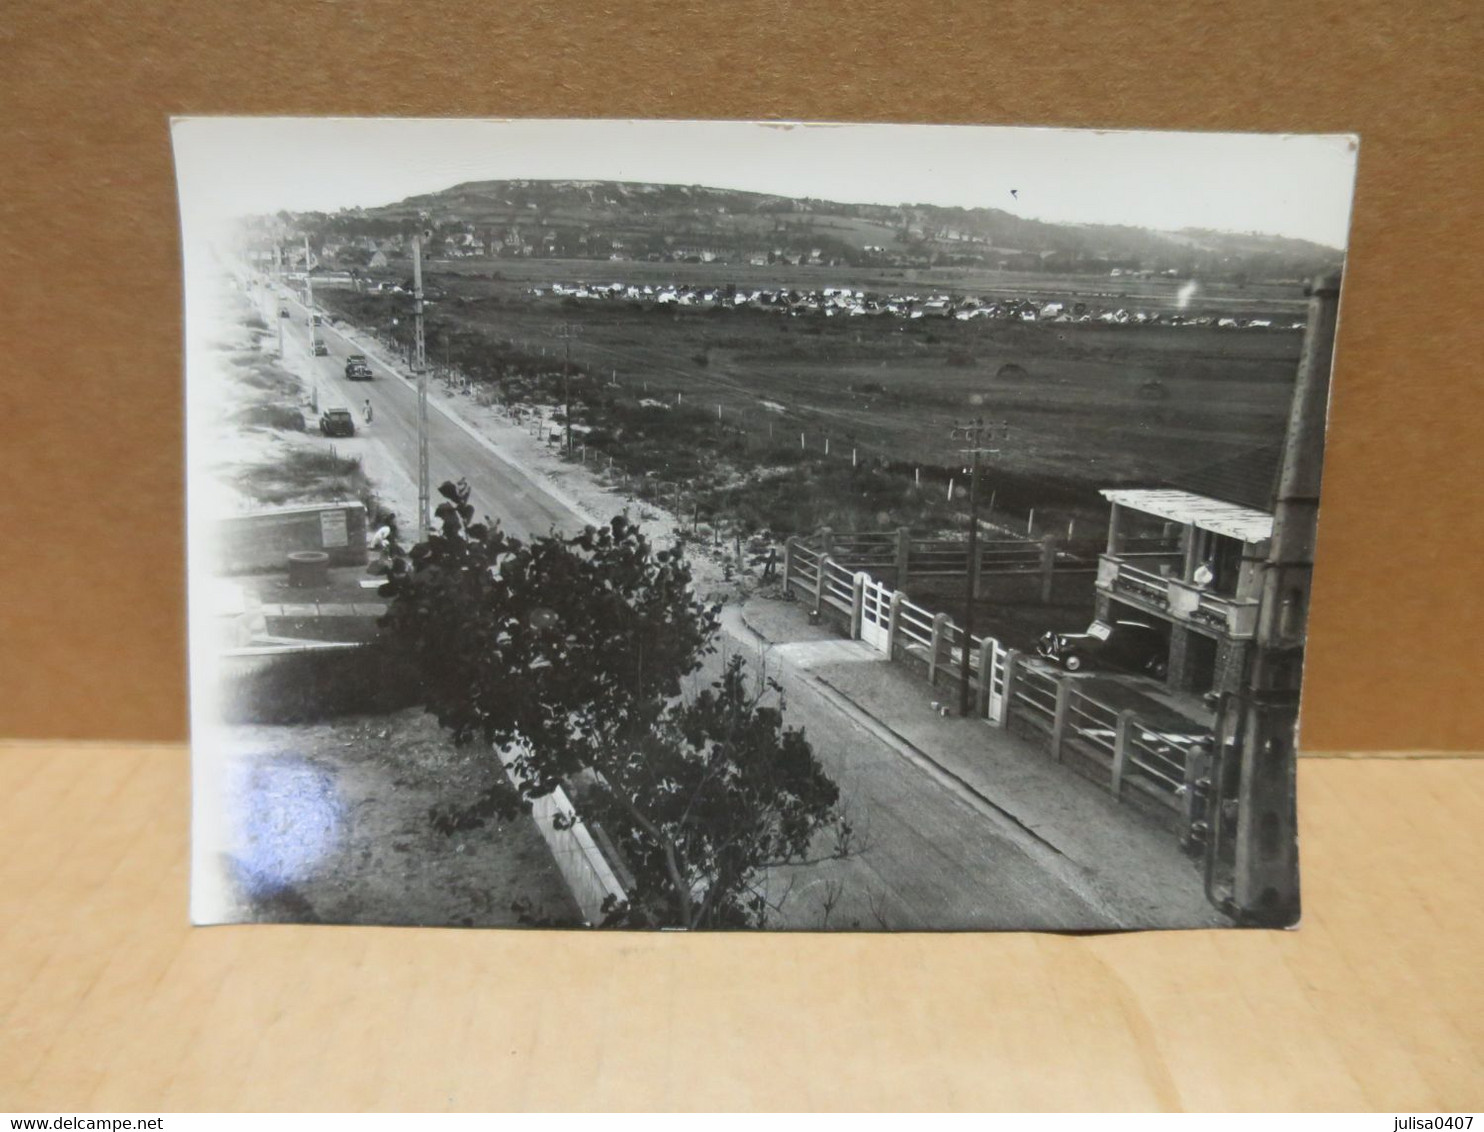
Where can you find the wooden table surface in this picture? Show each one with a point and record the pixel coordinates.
(111, 1001)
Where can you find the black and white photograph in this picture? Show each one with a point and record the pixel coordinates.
(752, 525)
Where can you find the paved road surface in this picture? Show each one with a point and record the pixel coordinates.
(498, 489)
(931, 855)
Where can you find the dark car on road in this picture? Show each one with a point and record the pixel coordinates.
(337, 422)
(320, 349)
(1132, 646)
(356, 368)
(283, 312)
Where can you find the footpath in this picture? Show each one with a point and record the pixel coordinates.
(1135, 868)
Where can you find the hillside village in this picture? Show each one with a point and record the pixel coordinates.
(671, 223)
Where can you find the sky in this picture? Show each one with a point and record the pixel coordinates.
(1279, 184)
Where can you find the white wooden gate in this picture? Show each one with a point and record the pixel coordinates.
(996, 677)
(875, 613)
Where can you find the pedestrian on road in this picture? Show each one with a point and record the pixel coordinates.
(771, 566)
(368, 410)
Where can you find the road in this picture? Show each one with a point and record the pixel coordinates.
(929, 854)
(498, 489)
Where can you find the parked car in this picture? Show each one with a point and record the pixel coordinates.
(337, 422)
(1133, 646)
(356, 368)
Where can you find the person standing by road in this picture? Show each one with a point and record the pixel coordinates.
(368, 410)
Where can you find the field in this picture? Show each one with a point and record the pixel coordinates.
(713, 395)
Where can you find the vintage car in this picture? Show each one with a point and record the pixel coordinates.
(1131, 646)
(356, 368)
(337, 422)
(319, 348)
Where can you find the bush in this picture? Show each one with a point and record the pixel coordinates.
(272, 416)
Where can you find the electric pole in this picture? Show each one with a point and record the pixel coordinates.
(1253, 829)
(566, 332)
(309, 296)
(278, 308)
(980, 437)
(420, 369)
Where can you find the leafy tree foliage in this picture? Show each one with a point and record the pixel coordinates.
(569, 656)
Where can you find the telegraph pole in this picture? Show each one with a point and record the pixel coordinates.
(566, 332)
(979, 437)
(420, 369)
(277, 300)
(309, 295)
(1257, 728)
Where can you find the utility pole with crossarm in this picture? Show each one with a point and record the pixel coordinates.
(566, 332)
(420, 369)
(983, 440)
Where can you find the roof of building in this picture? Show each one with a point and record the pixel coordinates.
(1248, 478)
(1229, 519)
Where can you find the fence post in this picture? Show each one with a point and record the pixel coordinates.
(904, 555)
(1048, 567)
(825, 562)
(1059, 721)
(986, 673)
(893, 621)
(788, 565)
(976, 570)
(857, 604)
(940, 624)
(1121, 734)
(1012, 669)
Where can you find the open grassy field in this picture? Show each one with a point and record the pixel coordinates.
(740, 388)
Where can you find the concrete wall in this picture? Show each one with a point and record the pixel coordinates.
(589, 876)
(260, 541)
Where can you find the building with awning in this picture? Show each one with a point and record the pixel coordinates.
(1191, 562)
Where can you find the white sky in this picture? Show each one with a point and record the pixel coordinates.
(1288, 185)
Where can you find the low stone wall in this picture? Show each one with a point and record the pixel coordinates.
(260, 541)
(590, 878)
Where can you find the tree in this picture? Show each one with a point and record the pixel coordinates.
(568, 656)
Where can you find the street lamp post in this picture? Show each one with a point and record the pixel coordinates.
(979, 437)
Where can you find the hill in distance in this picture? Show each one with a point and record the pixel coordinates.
(600, 219)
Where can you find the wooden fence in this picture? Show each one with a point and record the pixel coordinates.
(899, 557)
(1114, 747)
